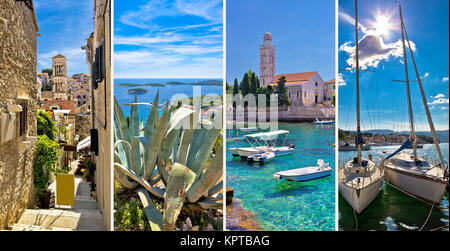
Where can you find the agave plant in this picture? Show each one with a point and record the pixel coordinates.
(169, 159)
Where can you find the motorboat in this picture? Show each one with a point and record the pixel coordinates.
(346, 147)
(306, 173)
(264, 142)
(261, 157)
(323, 122)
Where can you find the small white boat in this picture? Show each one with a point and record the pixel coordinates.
(264, 142)
(346, 147)
(234, 151)
(262, 157)
(323, 122)
(306, 173)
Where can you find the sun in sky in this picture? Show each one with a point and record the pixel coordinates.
(382, 25)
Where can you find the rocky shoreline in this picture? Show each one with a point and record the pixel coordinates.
(239, 219)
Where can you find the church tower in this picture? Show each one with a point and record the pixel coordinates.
(267, 60)
(59, 77)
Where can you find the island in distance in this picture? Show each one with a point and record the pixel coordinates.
(203, 82)
(137, 91)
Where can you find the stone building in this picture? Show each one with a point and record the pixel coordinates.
(304, 89)
(267, 60)
(18, 99)
(330, 92)
(59, 77)
(63, 113)
(98, 57)
(81, 77)
(81, 97)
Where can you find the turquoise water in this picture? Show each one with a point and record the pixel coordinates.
(392, 209)
(288, 205)
(165, 92)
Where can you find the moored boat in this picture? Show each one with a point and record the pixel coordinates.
(408, 172)
(305, 173)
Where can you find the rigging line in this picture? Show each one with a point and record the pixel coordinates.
(367, 106)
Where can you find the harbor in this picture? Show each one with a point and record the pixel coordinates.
(279, 204)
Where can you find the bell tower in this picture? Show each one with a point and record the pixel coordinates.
(267, 60)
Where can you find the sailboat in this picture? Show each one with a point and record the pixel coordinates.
(407, 172)
(361, 179)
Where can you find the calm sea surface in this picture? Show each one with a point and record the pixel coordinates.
(288, 205)
(165, 92)
(392, 209)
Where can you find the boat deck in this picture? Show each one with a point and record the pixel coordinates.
(359, 177)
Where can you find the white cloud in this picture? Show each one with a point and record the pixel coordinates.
(340, 80)
(445, 79)
(350, 20)
(426, 75)
(145, 16)
(439, 101)
(372, 47)
(373, 50)
(440, 95)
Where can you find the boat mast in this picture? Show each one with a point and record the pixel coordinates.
(358, 126)
(412, 134)
(424, 100)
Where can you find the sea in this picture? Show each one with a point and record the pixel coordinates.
(287, 205)
(393, 210)
(165, 92)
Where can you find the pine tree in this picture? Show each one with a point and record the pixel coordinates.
(245, 85)
(235, 87)
(253, 85)
(281, 90)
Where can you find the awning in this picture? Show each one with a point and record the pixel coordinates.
(85, 143)
(267, 135)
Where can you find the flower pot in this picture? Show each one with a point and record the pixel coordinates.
(44, 199)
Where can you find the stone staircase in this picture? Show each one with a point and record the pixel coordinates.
(83, 216)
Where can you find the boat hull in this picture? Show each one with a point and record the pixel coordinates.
(307, 177)
(360, 199)
(422, 187)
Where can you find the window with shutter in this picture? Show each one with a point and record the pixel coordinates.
(23, 119)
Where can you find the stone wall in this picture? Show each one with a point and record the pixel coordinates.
(18, 30)
(83, 125)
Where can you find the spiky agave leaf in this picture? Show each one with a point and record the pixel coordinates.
(155, 144)
(207, 179)
(158, 192)
(154, 217)
(180, 179)
(203, 153)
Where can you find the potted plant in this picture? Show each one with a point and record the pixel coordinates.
(46, 156)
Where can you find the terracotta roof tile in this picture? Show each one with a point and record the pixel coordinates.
(294, 78)
(64, 104)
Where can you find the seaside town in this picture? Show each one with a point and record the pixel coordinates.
(54, 143)
(302, 96)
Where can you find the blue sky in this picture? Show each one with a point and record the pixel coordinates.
(383, 102)
(64, 26)
(302, 32)
(168, 39)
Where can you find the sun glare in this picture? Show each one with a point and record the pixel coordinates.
(382, 25)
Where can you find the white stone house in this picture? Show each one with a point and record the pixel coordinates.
(304, 89)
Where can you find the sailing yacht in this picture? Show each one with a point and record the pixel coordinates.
(360, 179)
(407, 172)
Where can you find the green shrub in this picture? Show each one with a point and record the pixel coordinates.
(46, 156)
(130, 217)
(45, 125)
